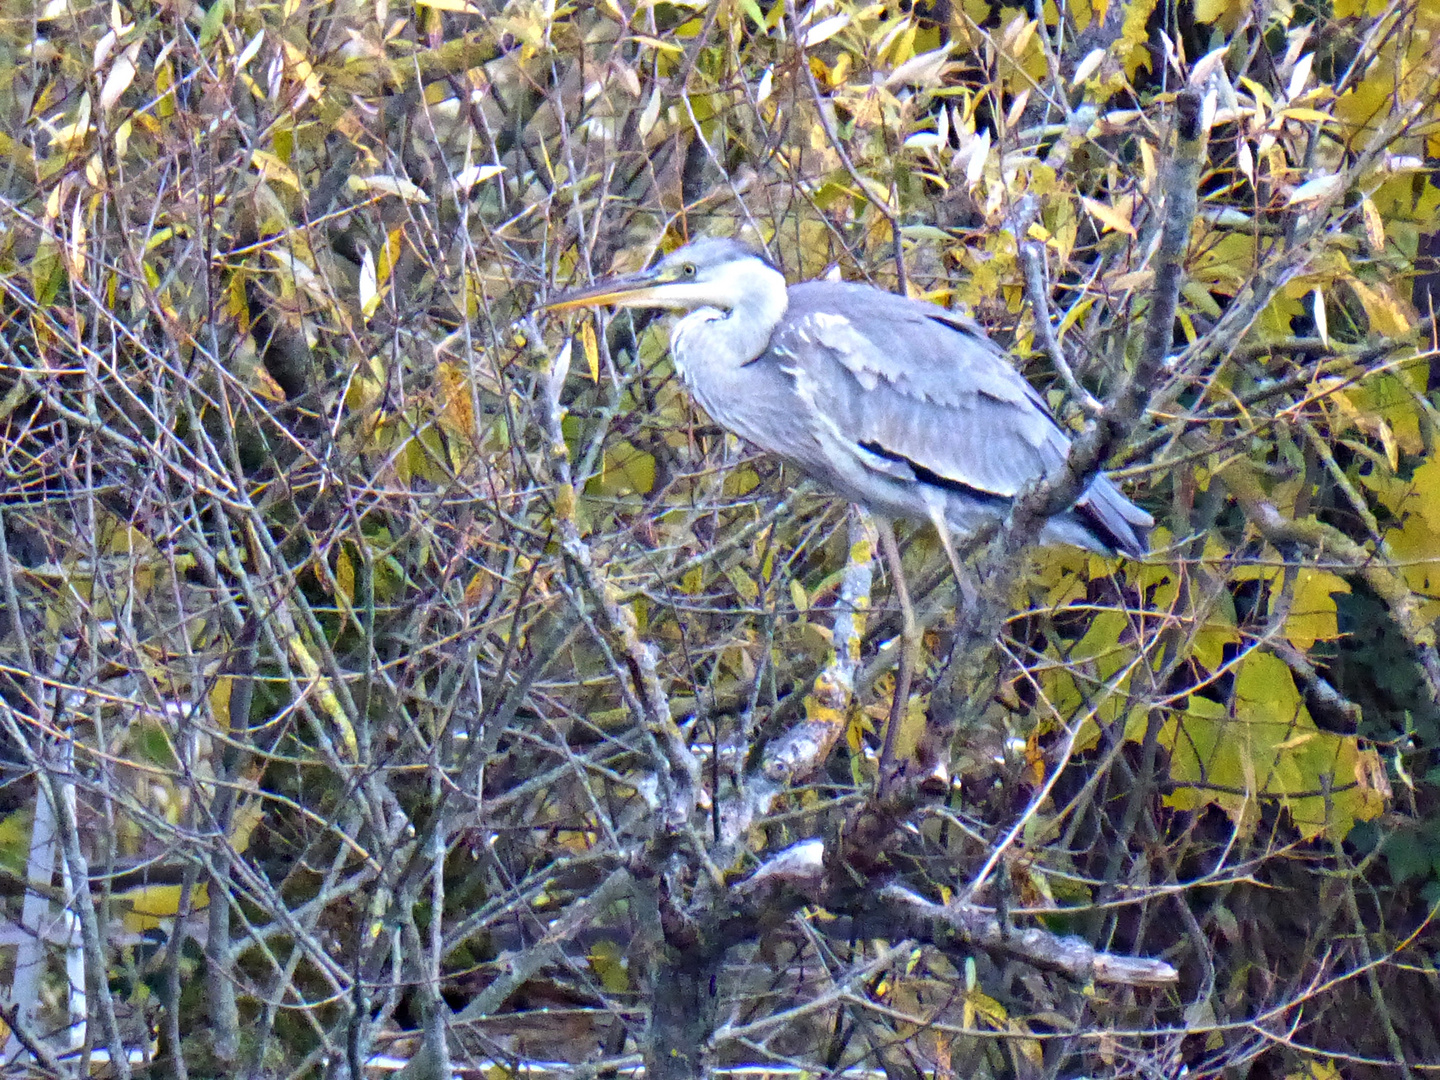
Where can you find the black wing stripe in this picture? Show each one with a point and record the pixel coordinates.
(934, 479)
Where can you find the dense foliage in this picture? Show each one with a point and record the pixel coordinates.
(388, 668)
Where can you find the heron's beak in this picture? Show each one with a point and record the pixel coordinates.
(645, 289)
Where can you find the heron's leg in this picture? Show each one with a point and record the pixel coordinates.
(962, 579)
(909, 644)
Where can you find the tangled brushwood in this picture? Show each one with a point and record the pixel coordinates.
(397, 673)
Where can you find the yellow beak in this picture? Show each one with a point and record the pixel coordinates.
(630, 290)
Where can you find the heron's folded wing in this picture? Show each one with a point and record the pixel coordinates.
(913, 387)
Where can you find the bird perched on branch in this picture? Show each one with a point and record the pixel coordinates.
(898, 405)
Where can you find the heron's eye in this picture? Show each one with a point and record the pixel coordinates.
(688, 269)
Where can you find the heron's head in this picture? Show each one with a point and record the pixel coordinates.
(720, 274)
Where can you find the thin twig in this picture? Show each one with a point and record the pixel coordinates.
(1032, 260)
(833, 137)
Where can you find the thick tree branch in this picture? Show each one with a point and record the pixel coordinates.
(950, 925)
(797, 752)
(963, 689)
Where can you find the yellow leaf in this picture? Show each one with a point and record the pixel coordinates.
(1208, 11)
(1370, 773)
(1416, 545)
(1018, 35)
(272, 168)
(75, 247)
(345, 576)
(798, 597)
(1387, 440)
(608, 963)
(1147, 165)
(369, 289)
(471, 175)
(1312, 609)
(693, 581)
(1308, 115)
(388, 185)
(1315, 1069)
(1108, 216)
(1134, 36)
(480, 589)
(148, 907)
(263, 385)
(592, 350)
(1211, 640)
(389, 254)
(1386, 316)
(1374, 226)
(457, 412)
(248, 814)
(220, 700)
(660, 46)
(624, 470)
(1426, 494)
(744, 584)
(302, 69)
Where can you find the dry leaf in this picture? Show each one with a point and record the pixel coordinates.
(925, 69)
(471, 175)
(388, 185)
(1374, 226)
(1088, 66)
(369, 285)
(824, 30)
(1108, 216)
(1322, 187)
(1207, 66)
(120, 77)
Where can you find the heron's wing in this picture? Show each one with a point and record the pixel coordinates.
(913, 388)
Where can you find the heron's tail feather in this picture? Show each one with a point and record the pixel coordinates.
(1113, 521)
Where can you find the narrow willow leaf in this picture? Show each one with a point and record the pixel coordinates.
(1087, 66)
(824, 30)
(120, 77)
(1322, 187)
(369, 285)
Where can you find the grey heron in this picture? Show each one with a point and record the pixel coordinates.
(898, 405)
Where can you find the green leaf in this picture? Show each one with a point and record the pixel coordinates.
(1312, 611)
(215, 19)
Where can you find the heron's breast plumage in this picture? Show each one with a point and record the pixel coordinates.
(754, 398)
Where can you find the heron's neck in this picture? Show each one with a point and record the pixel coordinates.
(733, 339)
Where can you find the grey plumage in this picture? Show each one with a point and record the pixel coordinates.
(898, 405)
